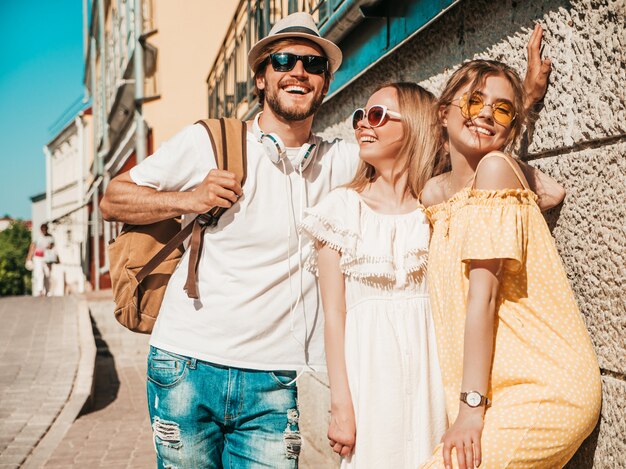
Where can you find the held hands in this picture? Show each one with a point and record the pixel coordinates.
(342, 431)
(218, 189)
(537, 70)
(465, 436)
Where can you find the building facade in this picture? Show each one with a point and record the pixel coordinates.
(579, 138)
(146, 62)
(5, 222)
(68, 174)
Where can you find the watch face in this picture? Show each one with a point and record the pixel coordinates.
(473, 399)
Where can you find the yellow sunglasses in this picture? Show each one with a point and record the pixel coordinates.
(471, 106)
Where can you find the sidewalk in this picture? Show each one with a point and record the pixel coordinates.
(39, 356)
(115, 432)
(47, 374)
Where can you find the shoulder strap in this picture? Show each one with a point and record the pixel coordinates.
(228, 140)
(506, 158)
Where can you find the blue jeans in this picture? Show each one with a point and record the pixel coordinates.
(209, 416)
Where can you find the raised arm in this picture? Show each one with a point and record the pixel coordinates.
(127, 202)
(537, 70)
(342, 428)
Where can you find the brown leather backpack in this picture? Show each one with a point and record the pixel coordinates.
(143, 257)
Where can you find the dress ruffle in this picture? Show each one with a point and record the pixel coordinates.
(375, 248)
(494, 223)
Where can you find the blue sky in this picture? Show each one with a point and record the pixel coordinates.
(41, 75)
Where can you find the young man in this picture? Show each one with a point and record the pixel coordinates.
(221, 369)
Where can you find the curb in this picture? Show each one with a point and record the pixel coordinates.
(80, 396)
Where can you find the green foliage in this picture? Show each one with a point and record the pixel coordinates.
(14, 244)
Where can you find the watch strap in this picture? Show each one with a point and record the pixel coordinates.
(484, 400)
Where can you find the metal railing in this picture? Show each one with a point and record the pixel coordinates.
(230, 82)
(120, 43)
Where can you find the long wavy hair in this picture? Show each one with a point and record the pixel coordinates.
(421, 145)
(474, 73)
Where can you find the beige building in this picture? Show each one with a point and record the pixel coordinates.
(68, 174)
(579, 138)
(146, 63)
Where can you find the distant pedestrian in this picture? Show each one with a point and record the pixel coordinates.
(42, 255)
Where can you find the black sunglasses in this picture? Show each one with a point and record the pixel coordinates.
(284, 62)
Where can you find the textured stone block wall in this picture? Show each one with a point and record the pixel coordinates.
(579, 138)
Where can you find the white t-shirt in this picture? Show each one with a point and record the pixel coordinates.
(249, 274)
(42, 244)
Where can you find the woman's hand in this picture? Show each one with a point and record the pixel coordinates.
(342, 431)
(465, 436)
(537, 70)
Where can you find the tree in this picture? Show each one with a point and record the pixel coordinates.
(14, 244)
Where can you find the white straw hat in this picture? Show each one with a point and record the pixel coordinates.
(298, 25)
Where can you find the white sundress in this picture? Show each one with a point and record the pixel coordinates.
(391, 356)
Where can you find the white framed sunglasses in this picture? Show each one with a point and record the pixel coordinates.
(376, 115)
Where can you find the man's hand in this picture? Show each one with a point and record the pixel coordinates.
(218, 189)
(537, 70)
(342, 432)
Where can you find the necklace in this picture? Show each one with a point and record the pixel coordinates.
(449, 190)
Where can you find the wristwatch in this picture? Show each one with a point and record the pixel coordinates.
(474, 399)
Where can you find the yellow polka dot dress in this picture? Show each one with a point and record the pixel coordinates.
(545, 382)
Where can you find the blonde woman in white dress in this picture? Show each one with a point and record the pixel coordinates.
(371, 237)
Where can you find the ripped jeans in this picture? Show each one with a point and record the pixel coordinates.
(210, 416)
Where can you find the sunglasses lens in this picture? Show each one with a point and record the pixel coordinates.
(283, 62)
(474, 105)
(375, 116)
(503, 113)
(315, 64)
(357, 116)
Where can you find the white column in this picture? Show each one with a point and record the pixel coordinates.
(46, 151)
(81, 215)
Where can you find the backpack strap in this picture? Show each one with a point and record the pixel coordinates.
(165, 251)
(228, 140)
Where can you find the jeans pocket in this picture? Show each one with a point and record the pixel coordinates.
(284, 379)
(165, 369)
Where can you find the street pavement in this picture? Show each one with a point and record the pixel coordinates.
(39, 355)
(45, 366)
(115, 432)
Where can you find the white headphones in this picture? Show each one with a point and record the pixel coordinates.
(275, 148)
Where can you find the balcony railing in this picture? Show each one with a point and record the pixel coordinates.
(383, 26)
(230, 82)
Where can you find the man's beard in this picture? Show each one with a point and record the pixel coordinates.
(271, 98)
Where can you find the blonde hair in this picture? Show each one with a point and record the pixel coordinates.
(421, 144)
(475, 72)
(262, 60)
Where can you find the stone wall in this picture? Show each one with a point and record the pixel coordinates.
(579, 138)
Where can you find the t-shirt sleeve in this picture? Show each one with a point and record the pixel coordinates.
(495, 228)
(180, 163)
(344, 162)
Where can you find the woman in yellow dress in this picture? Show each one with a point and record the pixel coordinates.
(521, 377)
